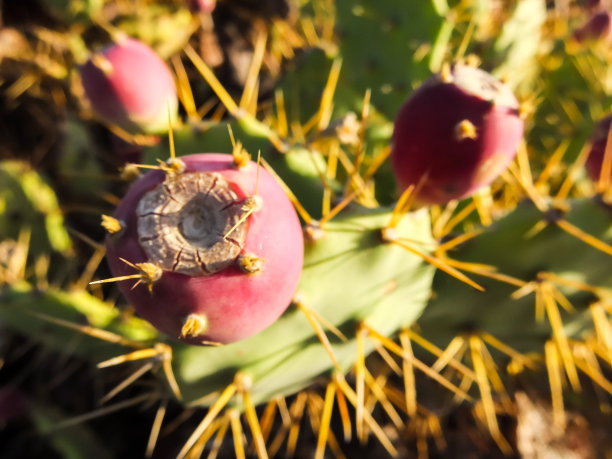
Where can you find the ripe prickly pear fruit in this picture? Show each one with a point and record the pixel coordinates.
(597, 27)
(599, 139)
(220, 249)
(202, 6)
(455, 134)
(130, 86)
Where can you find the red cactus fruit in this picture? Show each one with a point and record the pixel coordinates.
(597, 27)
(455, 134)
(219, 263)
(599, 139)
(202, 6)
(130, 86)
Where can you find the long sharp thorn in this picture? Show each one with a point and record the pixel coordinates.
(156, 428)
(488, 405)
(409, 377)
(372, 424)
(324, 427)
(214, 410)
(605, 174)
(237, 434)
(553, 367)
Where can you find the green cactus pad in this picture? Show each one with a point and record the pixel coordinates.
(349, 276)
(508, 246)
(24, 308)
(368, 31)
(78, 166)
(516, 48)
(27, 202)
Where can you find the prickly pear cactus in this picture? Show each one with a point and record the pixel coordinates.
(301, 264)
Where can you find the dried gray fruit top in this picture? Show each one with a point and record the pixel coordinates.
(183, 224)
(484, 85)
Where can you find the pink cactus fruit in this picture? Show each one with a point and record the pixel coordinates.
(130, 86)
(599, 139)
(456, 133)
(597, 27)
(222, 263)
(202, 6)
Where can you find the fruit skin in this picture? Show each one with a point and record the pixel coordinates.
(597, 27)
(448, 159)
(599, 138)
(235, 304)
(202, 6)
(130, 86)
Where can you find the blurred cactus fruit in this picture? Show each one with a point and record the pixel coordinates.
(201, 6)
(217, 249)
(456, 133)
(128, 85)
(599, 139)
(597, 27)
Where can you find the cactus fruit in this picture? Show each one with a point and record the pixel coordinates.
(455, 134)
(599, 140)
(221, 246)
(131, 87)
(202, 6)
(597, 27)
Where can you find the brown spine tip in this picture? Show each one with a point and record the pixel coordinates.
(465, 129)
(313, 232)
(151, 273)
(194, 325)
(388, 234)
(347, 131)
(112, 225)
(446, 73)
(252, 204)
(130, 172)
(250, 264)
(176, 166)
(103, 64)
(241, 156)
(243, 381)
(472, 60)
